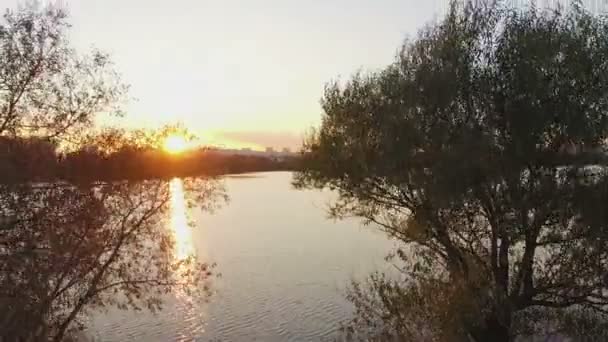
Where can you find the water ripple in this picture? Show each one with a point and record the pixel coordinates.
(284, 268)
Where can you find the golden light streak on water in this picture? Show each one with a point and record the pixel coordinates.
(179, 221)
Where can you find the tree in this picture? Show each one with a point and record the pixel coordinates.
(73, 249)
(26, 159)
(69, 246)
(47, 88)
(480, 149)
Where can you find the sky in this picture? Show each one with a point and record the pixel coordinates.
(241, 73)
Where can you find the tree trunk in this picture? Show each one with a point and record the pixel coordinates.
(494, 330)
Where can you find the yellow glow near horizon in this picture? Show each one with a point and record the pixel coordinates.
(175, 144)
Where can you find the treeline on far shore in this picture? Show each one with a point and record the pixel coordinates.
(33, 159)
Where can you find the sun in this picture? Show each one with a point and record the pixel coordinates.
(175, 144)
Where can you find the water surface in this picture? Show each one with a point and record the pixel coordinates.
(284, 267)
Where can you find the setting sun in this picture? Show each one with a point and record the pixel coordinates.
(175, 144)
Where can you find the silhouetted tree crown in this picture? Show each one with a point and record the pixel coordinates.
(481, 148)
(46, 87)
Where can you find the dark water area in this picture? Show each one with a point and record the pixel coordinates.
(284, 268)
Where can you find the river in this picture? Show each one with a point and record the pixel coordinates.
(284, 268)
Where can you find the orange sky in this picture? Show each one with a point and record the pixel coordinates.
(241, 73)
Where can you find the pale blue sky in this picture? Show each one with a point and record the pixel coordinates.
(241, 72)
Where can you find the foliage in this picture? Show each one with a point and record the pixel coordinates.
(72, 245)
(121, 155)
(68, 250)
(46, 87)
(140, 155)
(481, 148)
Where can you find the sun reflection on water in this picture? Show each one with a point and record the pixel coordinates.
(179, 221)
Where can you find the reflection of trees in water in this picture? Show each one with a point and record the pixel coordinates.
(69, 249)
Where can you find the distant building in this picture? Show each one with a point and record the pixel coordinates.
(268, 152)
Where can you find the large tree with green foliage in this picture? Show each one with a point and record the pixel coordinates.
(481, 149)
